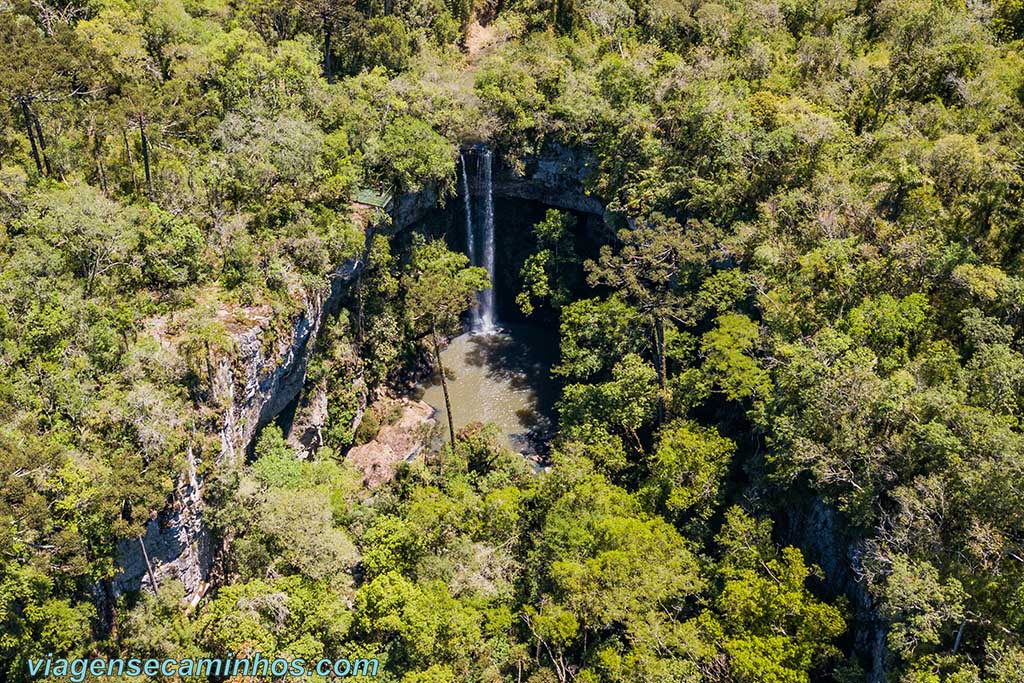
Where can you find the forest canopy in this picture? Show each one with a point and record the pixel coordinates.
(789, 443)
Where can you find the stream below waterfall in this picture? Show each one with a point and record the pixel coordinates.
(501, 377)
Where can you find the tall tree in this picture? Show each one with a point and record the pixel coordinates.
(32, 69)
(137, 102)
(334, 18)
(656, 268)
(440, 286)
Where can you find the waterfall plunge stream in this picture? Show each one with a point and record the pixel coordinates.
(467, 206)
(482, 320)
(487, 296)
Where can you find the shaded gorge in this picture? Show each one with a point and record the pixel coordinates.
(499, 369)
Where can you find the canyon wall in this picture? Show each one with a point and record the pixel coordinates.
(556, 177)
(255, 385)
(821, 533)
(266, 376)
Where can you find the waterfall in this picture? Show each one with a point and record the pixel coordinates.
(487, 296)
(480, 252)
(470, 238)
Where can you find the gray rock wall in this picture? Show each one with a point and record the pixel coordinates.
(557, 177)
(820, 532)
(255, 386)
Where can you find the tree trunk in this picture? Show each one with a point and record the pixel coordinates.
(959, 636)
(31, 136)
(131, 160)
(210, 375)
(97, 151)
(444, 385)
(145, 158)
(149, 567)
(360, 309)
(109, 609)
(328, 70)
(42, 145)
(103, 176)
(659, 346)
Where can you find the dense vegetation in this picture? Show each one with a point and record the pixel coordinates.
(811, 310)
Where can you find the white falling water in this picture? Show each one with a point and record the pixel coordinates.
(487, 296)
(476, 323)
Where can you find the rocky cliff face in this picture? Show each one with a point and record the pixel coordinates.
(254, 386)
(557, 177)
(820, 532)
(175, 545)
(272, 378)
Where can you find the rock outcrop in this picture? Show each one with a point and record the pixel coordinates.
(820, 532)
(395, 443)
(255, 385)
(557, 177)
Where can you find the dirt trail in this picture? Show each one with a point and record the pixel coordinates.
(478, 39)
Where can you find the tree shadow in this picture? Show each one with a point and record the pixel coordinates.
(520, 355)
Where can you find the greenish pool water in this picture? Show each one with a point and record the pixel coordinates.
(503, 378)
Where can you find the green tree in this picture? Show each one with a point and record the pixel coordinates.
(729, 366)
(594, 334)
(770, 626)
(35, 68)
(439, 287)
(546, 274)
(688, 467)
(657, 261)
